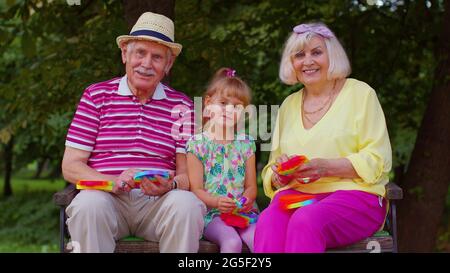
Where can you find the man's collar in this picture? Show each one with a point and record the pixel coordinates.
(124, 90)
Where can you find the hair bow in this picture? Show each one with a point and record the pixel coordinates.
(318, 29)
(230, 72)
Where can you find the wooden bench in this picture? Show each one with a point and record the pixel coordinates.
(383, 241)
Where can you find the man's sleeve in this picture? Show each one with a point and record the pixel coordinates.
(83, 130)
(184, 126)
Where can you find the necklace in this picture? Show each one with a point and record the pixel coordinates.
(323, 105)
(327, 103)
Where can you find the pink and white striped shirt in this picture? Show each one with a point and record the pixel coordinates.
(122, 133)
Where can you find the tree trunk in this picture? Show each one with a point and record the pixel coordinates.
(427, 179)
(134, 8)
(8, 157)
(41, 164)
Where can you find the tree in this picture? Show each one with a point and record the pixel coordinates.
(51, 52)
(427, 179)
(8, 161)
(134, 8)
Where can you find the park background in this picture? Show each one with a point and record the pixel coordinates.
(52, 50)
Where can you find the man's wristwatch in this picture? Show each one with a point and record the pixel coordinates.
(174, 184)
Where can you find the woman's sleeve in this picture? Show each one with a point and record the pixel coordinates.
(373, 160)
(267, 172)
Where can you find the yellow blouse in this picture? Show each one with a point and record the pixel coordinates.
(354, 127)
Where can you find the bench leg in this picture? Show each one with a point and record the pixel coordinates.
(394, 225)
(62, 217)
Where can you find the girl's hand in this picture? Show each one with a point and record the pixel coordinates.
(225, 204)
(248, 205)
(311, 171)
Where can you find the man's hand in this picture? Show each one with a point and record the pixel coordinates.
(124, 182)
(158, 188)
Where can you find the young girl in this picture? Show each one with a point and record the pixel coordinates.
(221, 161)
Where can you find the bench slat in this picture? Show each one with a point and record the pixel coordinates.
(385, 243)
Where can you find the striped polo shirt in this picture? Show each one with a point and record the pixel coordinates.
(122, 133)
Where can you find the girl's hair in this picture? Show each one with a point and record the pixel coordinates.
(225, 83)
(339, 64)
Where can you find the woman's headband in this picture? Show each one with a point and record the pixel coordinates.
(318, 29)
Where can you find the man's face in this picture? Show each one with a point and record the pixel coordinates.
(146, 64)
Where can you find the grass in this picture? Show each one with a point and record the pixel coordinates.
(29, 219)
(26, 185)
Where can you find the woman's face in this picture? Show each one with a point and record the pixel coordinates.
(312, 62)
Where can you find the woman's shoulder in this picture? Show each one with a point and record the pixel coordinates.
(358, 87)
(360, 94)
(290, 101)
(292, 97)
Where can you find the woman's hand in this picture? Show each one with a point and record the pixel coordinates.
(225, 204)
(311, 171)
(308, 172)
(279, 180)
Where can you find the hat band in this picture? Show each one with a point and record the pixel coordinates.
(152, 34)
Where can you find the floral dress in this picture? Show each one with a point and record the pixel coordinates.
(223, 165)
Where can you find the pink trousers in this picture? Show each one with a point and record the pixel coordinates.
(337, 219)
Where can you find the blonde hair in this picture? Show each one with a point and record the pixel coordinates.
(339, 67)
(225, 83)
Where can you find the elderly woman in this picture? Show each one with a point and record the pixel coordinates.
(339, 125)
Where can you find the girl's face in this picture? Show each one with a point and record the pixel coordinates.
(311, 63)
(223, 110)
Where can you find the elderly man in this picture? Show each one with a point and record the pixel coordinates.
(125, 125)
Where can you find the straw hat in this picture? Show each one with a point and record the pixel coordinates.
(153, 27)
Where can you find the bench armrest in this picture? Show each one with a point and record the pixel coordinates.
(65, 196)
(393, 191)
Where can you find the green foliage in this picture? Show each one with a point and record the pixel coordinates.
(29, 219)
(52, 51)
(390, 45)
